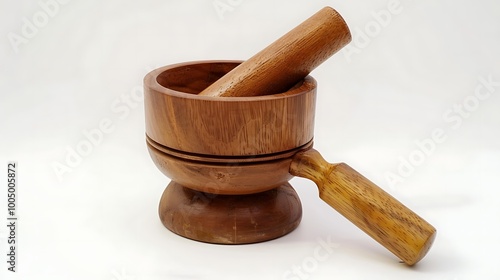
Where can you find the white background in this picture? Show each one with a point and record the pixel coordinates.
(100, 221)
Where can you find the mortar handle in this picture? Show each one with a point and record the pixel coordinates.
(370, 208)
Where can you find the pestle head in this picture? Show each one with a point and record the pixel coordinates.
(288, 60)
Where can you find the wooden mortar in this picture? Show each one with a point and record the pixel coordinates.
(231, 135)
(229, 166)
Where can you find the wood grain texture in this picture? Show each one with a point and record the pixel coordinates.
(373, 210)
(179, 119)
(242, 147)
(230, 219)
(289, 59)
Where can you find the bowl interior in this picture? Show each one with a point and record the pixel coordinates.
(194, 78)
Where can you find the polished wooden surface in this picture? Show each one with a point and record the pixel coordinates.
(230, 219)
(369, 207)
(288, 60)
(247, 132)
(179, 119)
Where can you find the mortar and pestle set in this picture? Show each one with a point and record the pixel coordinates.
(231, 134)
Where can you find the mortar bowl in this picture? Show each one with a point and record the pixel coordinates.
(224, 145)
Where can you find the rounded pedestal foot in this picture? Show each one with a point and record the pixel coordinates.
(230, 219)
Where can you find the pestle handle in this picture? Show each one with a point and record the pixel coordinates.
(369, 207)
(289, 59)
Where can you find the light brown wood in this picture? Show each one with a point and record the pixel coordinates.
(181, 120)
(289, 59)
(230, 219)
(373, 210)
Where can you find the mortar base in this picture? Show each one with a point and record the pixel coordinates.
(230, 219)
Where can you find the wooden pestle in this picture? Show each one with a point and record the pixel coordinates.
(288, 60)
(276, 69)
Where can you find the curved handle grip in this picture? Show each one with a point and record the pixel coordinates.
(376, 212)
